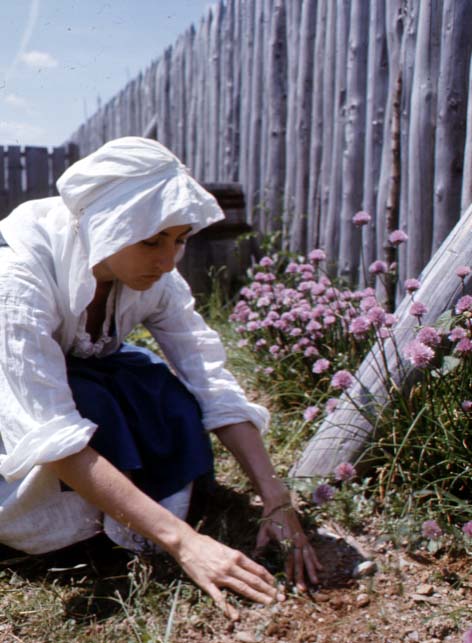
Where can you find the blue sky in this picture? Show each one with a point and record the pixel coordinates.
(58, 56)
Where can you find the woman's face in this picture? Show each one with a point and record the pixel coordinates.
(140, 265)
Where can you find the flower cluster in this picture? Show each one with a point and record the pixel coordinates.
(295, 317)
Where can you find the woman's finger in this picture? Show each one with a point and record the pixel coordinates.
(259, 584)
(299, 568)
(258, 570)
(219, 599)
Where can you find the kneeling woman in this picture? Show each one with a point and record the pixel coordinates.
(98, 435)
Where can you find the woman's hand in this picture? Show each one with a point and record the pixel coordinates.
(281, 525)
(213, 565)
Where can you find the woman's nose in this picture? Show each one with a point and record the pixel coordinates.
(167, 260)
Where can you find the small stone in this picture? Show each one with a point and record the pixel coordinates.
(245, 637)
(425, 589)
(421, 598)
(413, 636)
(337, 602)
(319, 597)
(366, 568)
(362, 600)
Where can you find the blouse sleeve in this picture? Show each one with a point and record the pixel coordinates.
(196, 354)
(39, 421)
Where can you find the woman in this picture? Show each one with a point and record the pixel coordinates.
(96, 436)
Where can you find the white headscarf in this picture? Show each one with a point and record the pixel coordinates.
(128, 190)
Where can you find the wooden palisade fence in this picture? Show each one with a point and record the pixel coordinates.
(297, 100)
(31, 173)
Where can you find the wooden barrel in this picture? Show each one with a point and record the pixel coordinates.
(217, 252)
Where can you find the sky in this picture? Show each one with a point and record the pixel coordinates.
(59, 58)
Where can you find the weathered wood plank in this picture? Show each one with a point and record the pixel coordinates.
(15, 173)
(331, 231)
(304, 96)
(421, 137)
(58, 163)
(3, 190)
(317, 126)
(377, 78)
(345, 434)
(352, 165)
(466, 197)
(456, 47)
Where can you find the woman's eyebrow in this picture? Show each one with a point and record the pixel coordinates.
(182, 234)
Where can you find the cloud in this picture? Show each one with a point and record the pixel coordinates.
(16, 101)
(20, 133)
(38, 59)
(31, 20)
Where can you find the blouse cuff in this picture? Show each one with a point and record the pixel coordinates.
(55, 440)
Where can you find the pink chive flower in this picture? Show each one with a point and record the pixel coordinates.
(266, 261)
(331, 404)
(317, 255)
(430, 529)
(292, 267)
(345, 472)
(418, 354)
(463, 271)
(268, 371)
(467, 529)
(273, 350)
(390, 320)
(417, 309)
(321, 365)
(464, 346)
(457, 333)
(467, 637)
(242, 343)
(429, 336)
(310, 413)
(361, 218)
(411, 285)
(359, 326)
(464, 304)
(397, 237)
(466, 406)
(342, 380)
(376, 314)
(323, 494)
(378, 267)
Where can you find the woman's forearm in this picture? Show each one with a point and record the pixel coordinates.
(245, 443)
(104, 486)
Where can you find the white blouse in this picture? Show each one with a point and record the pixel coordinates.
(39, 422)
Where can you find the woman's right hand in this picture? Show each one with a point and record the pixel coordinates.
(213, 566)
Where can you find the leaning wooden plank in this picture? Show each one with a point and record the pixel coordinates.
(344, 434)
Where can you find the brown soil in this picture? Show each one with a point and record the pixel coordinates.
(412, 596)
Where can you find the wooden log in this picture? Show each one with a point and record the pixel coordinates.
(277, 92)
(456, 47)
(293, 34)
(15, 174)
(395, 25)
(331, 238)
(253, 195)
(407, 62)
(377, 75)
(304, 96)
(466, 197)
(247, 62)
(36, 172)
(328, 121)
(235, 145)
(214, 96)
(227, 108)
(317, 126)
(420, 171)
(58, 163)
(3, 190)
(191, 97)
(346, 434)
(265, 143)
(352, 165)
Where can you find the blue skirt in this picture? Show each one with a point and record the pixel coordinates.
(149, 424)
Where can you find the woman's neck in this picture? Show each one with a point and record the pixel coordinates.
(96, 310)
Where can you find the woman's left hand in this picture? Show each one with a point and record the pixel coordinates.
(281, 525)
